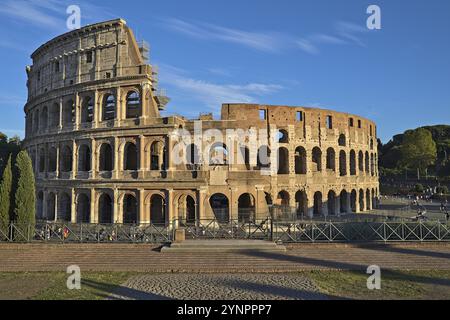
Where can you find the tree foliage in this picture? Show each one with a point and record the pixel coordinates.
(418, 150)
(5, 198)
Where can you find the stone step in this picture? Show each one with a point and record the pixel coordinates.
(194, 246)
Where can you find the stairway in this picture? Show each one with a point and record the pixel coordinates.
(217, 246)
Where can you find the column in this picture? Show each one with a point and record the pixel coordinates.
(201, 210)
(116, 151)
(94, 212)
(93, 159)
(56, 206)
(58, 154)
(96, 111)
(77, 111)
(170, 215)
(141, 156)
(118, 216)
(44, 205)
(233, 204)
(143, 217)
(73, 207)
(61, 110)
(325, 204)
(74, 160)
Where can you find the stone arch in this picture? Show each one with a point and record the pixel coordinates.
(263, 157)
(51, 206)
(218, 154)
(283, 160)
(301, 201)
(283, 136)
(83, 208)
(283, 198)
(66, 159)
(69, 112)
(331, 159)
(368, 200)
(133, 105)
(367, 162)
(130, 210)
(361, 161)
(190, 209)
(84, 158)
(106, 159)
(316, 159)
(192, 154)
(40, 205)
(300, 161)
(343, 201)
(41, 161)
(109, 107)
(361, 200)
(87, 110)
(52, 159)
(44, 119)
(353, 200)
(106, 208)
(54, 115)
(220, 206)
(130, 155)
(352, 163)
(157, 158)
(246, 207)
(65, 207)
(245, 156)
(342, 163)
(157, 209)
(372, 165)
(317, 211)
(342, 141)
(332, 210)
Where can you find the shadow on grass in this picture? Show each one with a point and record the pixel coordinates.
(117, 292)
(345, 266)
(416, 252)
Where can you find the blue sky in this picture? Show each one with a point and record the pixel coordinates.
(310, 53)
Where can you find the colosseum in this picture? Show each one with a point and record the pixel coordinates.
(102, 153)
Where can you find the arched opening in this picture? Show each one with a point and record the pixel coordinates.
(361, 200)
(54, 116)
(130, 209)
(317, 159)
(218, 154)
(246, 208)
(332, 203)
(353, 199)
(283, 199)
(331, 159)
(109, 107)
(157, 161)
(84, 158)
(133, 105)
(263, 157)
(44, 119)
(130, 157)
(83, 209)
(342, 163)
(192, 155)
(51, 209)
(374, 200)
(268, 198)
(317, 204)
(40, 205)
(42, 161)
(106, 158)
(69, 112)
(343, 199)
(283, 160)
(367, 165)
(157, 210)
(301, 204)
(65, 207)
(87, 110)
(352, 163)
(220, 206)
(52, 160)
(342, 141)
(66, 159)
(300, 160)
(35, 116)
(245, 156)
(361, 161)
(368, 200)
(283, 136)
(372, 165)
(105, 209)
(190, 209)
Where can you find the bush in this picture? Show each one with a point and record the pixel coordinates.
(5, 198)
(442, 190)
(419, 188)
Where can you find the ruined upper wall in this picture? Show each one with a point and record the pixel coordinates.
(100, 51)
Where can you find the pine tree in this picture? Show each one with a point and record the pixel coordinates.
(5, 199)
(25, 198)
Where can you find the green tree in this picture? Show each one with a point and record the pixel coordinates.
(5, 198)
(25, 198)
(418, 150)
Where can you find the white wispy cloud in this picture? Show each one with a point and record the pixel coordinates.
(343, 33)
(212, 95)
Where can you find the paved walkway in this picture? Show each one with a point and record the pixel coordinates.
(146, 258)
(218, 287)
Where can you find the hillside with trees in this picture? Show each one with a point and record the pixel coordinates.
(421, 152)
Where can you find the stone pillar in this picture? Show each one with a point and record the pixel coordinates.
(76, 125)
(56, 206)
(144, 218)
(116, 150)
(201, 198)
(74, 160)
(93, 159)
(44, 205)
(58, 155)
(141, 156)
(261, 209)
(119, 107)
(349, 203)
(118, 216)
(325, 204)
(96, 112)
(170, 215)
(94, 213)
(73, 207)
(61, 110)
(233, 204)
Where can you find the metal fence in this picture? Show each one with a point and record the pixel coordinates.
(302, 231)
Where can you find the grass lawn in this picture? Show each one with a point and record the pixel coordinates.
(394, 284)
(336, 284)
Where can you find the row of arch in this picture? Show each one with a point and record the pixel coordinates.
(66, 114)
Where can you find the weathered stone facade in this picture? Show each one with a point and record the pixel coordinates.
(103, 154)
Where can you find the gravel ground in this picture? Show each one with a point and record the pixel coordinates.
(218, 287)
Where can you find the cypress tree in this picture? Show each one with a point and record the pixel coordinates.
(25, 197)
(5, 199)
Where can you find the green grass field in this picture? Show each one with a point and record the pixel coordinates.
(336, 284)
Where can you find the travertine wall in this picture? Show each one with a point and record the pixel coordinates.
(103, 154)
